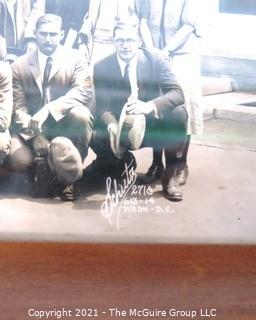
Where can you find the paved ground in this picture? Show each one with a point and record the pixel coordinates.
(228, 133)
(219, 202)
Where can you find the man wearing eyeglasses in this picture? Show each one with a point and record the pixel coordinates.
(95, 35)
(53, 120)
(141, 82)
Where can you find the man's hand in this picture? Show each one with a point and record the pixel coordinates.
(38, 120)
(112, 128)
(139, 107)
(41, 146)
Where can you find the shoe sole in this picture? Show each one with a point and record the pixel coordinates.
(174, 199)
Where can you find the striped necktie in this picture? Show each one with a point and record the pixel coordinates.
(47, 70)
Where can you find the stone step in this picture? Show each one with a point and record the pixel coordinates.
(214, 85)
(231, 106)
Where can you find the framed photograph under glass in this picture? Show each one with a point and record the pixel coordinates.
(218, 180)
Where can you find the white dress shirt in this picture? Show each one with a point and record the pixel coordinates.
(42, 58)
(132, 73)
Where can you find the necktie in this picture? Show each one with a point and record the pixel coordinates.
(126, 79)
(47, 70)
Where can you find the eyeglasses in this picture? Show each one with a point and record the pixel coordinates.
(121, 41)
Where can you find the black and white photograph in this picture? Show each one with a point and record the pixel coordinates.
(127, 129)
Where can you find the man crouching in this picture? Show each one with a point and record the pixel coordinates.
(52, 120)
(6, 103)
(138, 104)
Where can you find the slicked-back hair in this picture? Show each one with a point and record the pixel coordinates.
(125, 25)
(47, 18)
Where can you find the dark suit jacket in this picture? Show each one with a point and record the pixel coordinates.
(5, 96)
(16, 29)
(69, 85)
(72, 12)
(156, 83)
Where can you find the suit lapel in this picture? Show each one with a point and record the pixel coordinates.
(35, 69)
(116, 68)
(36, 72)
(58, 61)
(143, 72)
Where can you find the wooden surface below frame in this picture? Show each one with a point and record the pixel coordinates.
(48, 276)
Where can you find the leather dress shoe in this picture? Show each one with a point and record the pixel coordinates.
(42, 179)
(96, 173)
(171, 190)
(70, 193)
(182, 176)
(116, 167)
(154, 173)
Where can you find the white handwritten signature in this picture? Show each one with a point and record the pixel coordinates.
(115, 199)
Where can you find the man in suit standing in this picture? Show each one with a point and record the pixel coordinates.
(96, 31)
(17, 23)
(52, 99)
(143, 82)
(72, 14)
(173, 26)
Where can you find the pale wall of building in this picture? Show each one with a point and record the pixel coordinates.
(228, 46)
